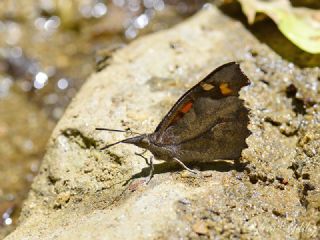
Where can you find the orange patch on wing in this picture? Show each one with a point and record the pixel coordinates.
(224, 88)
(186, 107)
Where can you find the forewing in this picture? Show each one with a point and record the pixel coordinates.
(208, 113)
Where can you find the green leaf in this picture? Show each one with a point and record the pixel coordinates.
(300, 25)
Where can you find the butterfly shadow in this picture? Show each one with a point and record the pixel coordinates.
(165, 167)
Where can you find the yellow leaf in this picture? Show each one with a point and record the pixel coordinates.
(300, 25)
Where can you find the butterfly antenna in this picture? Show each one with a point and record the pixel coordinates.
(116, 130)
(110, 145)
(131, 140)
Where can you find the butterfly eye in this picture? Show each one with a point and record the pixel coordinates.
(145, 140)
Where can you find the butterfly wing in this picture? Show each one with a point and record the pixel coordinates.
(209, 120)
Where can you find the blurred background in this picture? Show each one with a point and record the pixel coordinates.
(47, 50)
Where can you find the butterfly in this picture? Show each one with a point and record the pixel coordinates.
(209, 122)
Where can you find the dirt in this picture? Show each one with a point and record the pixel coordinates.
(82, 192)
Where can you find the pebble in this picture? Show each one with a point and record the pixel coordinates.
(62, 199)
(200, 227)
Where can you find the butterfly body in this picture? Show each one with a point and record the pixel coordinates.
(209, 122)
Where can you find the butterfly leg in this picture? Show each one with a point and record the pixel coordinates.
(150, 163)
(184, 166)
(141, 154)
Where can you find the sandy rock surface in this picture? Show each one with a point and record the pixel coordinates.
(84, 193)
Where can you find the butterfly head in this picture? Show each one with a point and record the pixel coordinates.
(140, 141)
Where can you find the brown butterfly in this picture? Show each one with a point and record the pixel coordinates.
(209, 122)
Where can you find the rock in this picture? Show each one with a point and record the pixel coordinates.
(139, 86)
